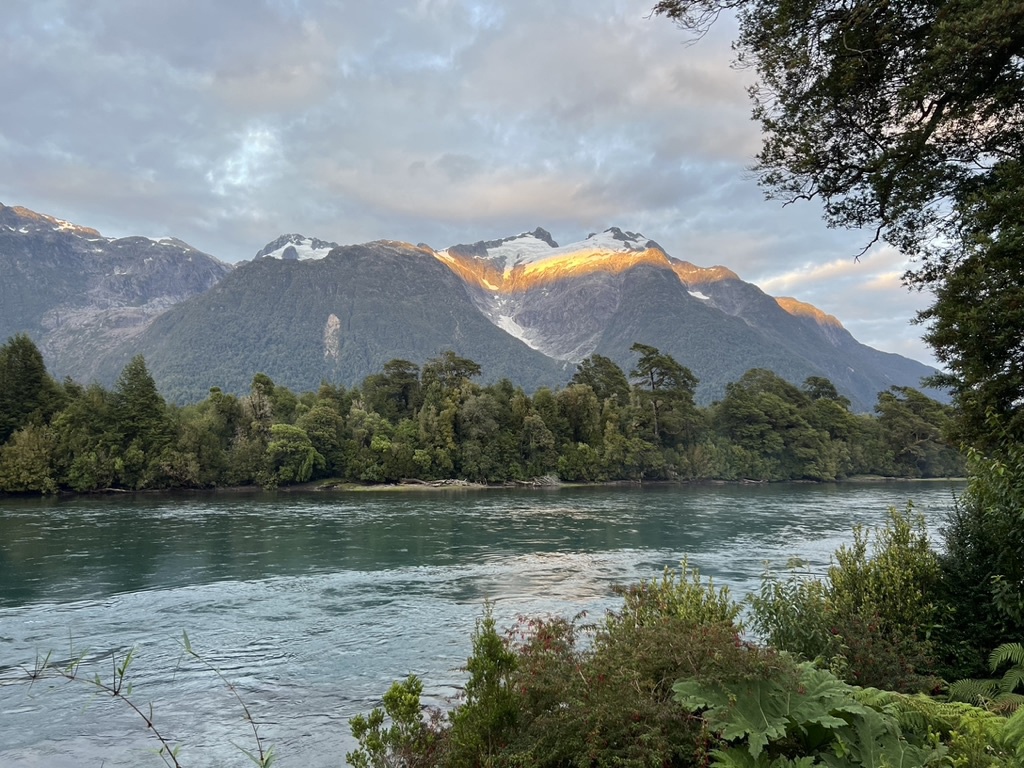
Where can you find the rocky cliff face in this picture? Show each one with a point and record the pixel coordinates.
(80, 295)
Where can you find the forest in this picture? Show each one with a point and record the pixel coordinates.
(435, 422)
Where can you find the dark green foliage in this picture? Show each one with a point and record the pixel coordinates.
(441, 425)
(88, 446)
(1005, 694)
(482, 724)
(395, 392)
(27, 392)
(541, 698)
(604, 377)
(904, 118)
(798, 717)
(767, 419)
(983, 567)
(872, 618)
(449, 371)
(325, 428)
(666, 390)
(914, 429)
(793, 614)
(976, 325)
(26, 461)
(291, 457)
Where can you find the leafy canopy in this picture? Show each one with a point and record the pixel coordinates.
(905, 117)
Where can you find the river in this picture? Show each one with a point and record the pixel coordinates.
(312, 604)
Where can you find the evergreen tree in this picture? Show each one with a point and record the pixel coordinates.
(666, 389)
(139, 411)
(27, 392)
(603, 376)
(395, 393)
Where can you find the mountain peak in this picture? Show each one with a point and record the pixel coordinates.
(615, 239)
(24, 220)
(542, 234)
(294, 247)
(803, 309)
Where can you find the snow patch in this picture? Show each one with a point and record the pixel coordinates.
(699, 295)
(528, 249)
(306, 249)
(512, 328)
(525, 249)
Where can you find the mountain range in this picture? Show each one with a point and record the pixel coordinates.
(304, 310)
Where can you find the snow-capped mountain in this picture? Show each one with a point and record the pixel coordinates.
(80, 294)
(523, 307)
(616, 287)
(296, 247)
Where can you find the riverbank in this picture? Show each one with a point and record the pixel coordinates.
(549, 482)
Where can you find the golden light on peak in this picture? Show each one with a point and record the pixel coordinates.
(802, 309)
(693, 275)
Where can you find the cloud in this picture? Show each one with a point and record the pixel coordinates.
(883, 258)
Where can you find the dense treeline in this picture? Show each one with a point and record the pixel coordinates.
(436, 422)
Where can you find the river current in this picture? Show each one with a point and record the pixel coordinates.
(312, 604)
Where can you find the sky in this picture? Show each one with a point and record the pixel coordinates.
(229, 123)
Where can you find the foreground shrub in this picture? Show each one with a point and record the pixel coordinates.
(983, 566)
(679, 596)
(998, 695)
(871, 619)
(540, 696)
(801, 715)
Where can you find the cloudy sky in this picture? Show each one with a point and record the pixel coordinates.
(228, 123)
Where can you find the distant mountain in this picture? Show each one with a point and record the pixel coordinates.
(305, 309)
(296, 247)
(615, 288)
(337, 318)
(79, 294)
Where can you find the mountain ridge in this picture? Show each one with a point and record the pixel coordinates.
(306, 309)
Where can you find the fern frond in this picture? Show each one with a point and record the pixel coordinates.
(917, 713)
(977, 692)
(1012, 680)
(1007, 703)
(1012, 652)
(1013, 734)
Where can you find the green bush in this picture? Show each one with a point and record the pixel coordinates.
(792, 614)
(679, 596)
(983, 566)
(407, 741)
(537, 698)
(871, 619)
(480, 726)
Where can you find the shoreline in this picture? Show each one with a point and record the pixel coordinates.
(549, 483)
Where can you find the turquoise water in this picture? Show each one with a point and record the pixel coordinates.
(313, 603)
